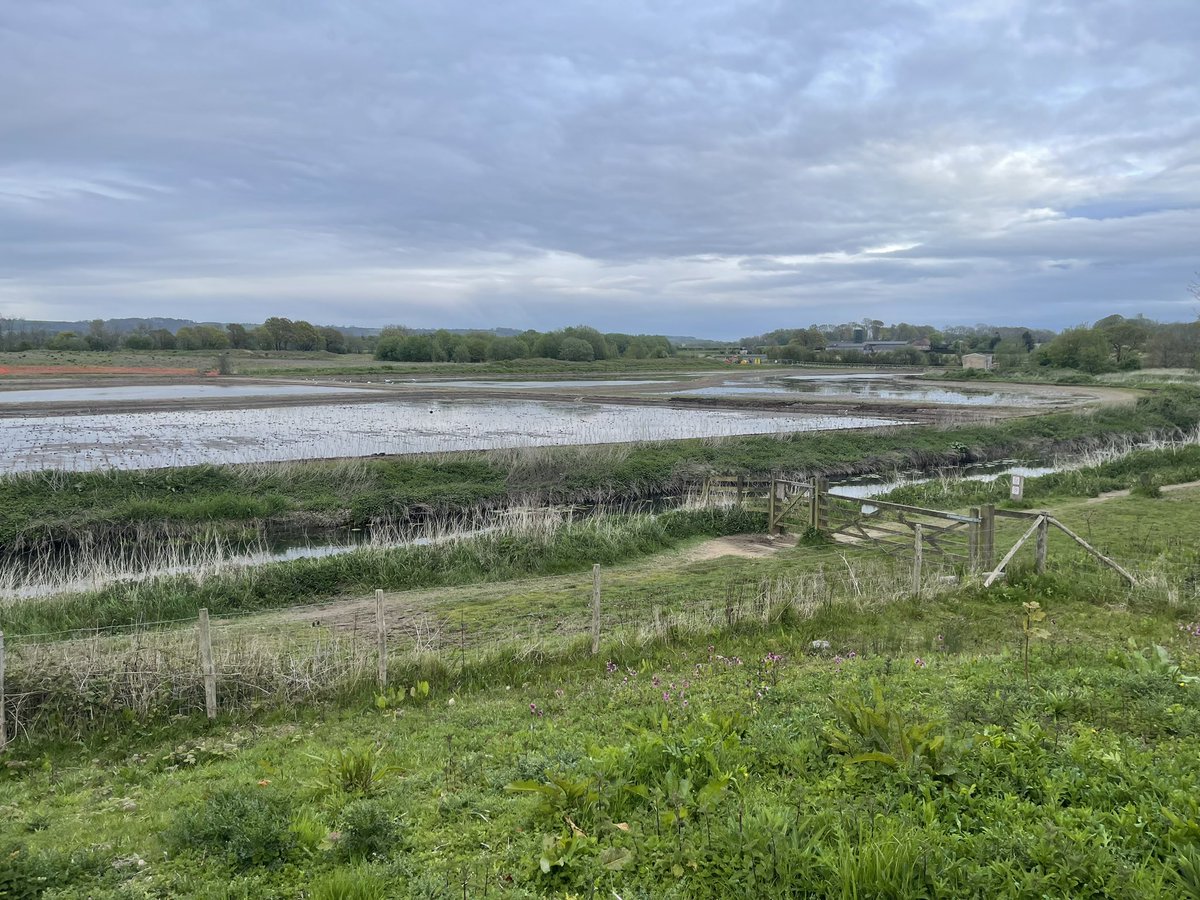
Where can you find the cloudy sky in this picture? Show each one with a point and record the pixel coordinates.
(703, 167)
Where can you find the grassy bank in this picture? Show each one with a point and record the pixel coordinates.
(47, 508)
(488, 557)
(918, 756)
(1143, 471)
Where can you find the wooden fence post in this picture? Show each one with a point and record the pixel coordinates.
(918, 554)
(987, 535)
(741, 488)
(3, 716)
(814, 504)
(381, 639)
(1043, 536)
(771, 508)
(973, 541)
(207, 668)
(596, 606)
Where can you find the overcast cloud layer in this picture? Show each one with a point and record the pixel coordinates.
(692, 167)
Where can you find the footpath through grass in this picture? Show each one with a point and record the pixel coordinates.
(489, 557)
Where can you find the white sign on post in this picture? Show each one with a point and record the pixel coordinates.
(1018, 487)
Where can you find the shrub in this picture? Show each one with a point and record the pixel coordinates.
(357, 771)
(367, 829)
(247, 827)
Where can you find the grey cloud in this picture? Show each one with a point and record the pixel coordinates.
(715, 167)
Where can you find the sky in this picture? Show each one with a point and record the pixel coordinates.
(690, 167)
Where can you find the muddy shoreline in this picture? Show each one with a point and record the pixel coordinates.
(353, 392)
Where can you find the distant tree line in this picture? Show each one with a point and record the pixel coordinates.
(274, 334)
(1113, 343)
(575, 344)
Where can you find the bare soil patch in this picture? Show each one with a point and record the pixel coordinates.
(1166, 489)
(746, 546)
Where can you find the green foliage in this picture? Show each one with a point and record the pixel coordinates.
(487, 557)
(243, 826)
(367, 829)
(1170, 466)
(360, 771)
(1031, 629)
(415, 694)
(1154, 661)
(1146, 487)
(29, 874)
(873, 731)
(349, 884)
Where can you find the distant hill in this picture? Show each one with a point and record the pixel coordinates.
(120, 326)
(701, 343)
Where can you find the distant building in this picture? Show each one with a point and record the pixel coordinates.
(977, 361)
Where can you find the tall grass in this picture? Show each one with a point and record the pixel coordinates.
(1114, 467)
(540, 547)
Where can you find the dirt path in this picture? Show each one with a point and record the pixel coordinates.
(402, 607)
(1166, 488)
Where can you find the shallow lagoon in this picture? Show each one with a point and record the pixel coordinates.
(866, 387)
(157, 392)
(143, 440)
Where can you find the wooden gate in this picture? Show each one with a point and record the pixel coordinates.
(901, 529)
(794, 503)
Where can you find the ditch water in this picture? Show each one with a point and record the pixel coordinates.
(282, 545)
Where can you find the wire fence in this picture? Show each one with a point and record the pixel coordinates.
(73, 682)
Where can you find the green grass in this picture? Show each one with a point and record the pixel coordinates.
(782, 776)
(328, 364)
(50, 508)
(1161, 467)
(488, 557)
(913, 758)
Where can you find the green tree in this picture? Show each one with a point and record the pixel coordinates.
(239, 337)
(274, 334)
(66, 340)
(99, 337)
(1080, 348)
(592, 336)
(576, 350)
(548, 345)
(507, 348)
(334, 340)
